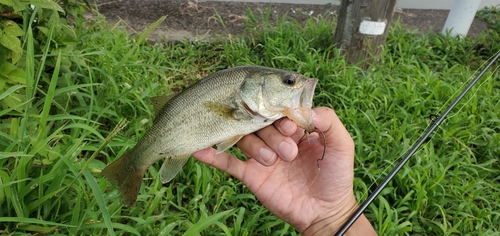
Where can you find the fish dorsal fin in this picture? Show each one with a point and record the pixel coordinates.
(171, 167)
(221, 147)
(159, 101)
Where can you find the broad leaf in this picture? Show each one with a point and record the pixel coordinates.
(13, 74)
(13, 101)
(7, 68)
(19, 6)
(17, 76)
(11, 42)
(48, 4)
(3, 83)
(7, 2)
(10, 27)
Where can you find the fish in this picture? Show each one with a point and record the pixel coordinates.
(216, 111)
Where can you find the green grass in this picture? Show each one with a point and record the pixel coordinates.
(55, 146)
(491, 15)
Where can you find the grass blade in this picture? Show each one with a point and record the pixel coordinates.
(139, 42)
(100, 201)
(50, 95)
(203, 224)
(23, 220)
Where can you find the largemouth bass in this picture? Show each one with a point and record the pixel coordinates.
(217, 110)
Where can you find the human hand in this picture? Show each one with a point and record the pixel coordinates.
(282, 172)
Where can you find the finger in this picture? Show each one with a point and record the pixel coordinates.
(339, 157)
(298, 135)
(286, 126)
(254, 147)
(222, 161)
(337, 137)
(284, 146)
(265, 151)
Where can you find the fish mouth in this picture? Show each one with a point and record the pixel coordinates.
(301, 111)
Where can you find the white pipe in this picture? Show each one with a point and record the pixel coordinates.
(461, 16)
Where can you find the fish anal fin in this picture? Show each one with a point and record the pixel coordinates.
(124, 174)
(159, 101)
(171, 167)
(221, 147)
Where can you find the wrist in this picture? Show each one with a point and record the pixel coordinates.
(331, 224)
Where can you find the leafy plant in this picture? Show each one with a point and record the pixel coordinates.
(490, 14)
(80, 86)
(10, 53)
(28, 28)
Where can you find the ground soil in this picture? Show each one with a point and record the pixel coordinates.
(196, 20)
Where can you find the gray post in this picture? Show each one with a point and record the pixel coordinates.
(460, 17)
(362, 28)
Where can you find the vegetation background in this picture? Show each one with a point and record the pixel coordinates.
(74, 96)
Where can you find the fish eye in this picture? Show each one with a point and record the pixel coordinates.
(288, 80)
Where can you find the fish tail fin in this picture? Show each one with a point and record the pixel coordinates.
(126, 175)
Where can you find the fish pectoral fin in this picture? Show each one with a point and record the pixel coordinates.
(227, 111)
(221, 147)
(221, 109)
(159, 101)
(239, 114)
(171, 167)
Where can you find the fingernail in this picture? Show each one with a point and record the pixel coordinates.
(286, 127)
(314, 116)
(267, 155)
(286, 150)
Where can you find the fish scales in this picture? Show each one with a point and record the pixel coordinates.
(217, 110)
(203, 129)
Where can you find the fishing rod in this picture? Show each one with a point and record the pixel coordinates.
(421, 140)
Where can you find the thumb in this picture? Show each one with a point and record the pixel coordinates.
(338, 140)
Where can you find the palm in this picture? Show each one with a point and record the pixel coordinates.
(297, 190)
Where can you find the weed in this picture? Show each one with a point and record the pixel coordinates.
(55, 142)
(491, 15)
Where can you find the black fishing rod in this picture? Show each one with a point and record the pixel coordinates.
(421, 140)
